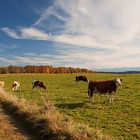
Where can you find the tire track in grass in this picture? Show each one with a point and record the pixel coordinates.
(11, 129)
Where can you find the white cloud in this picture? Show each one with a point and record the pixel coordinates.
(76, 57)
(108, 24)
(34, 34)
(113, 25)
(26, 33)
(4, 47)
(78, 40)
(111, 21)
(6, 61)
(102, 22)
(10, 33)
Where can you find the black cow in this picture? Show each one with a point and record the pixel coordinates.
(81, 78)
(38, 84)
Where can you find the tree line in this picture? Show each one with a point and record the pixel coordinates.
(42, 69)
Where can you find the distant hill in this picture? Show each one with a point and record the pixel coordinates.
(120, 70)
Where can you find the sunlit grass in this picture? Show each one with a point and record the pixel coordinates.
(119, 119)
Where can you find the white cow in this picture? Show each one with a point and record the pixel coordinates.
(15, 85)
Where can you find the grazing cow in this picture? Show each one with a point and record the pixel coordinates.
(38, 84)
(15, 86)
(1, 85)
(109, 86)
(81, 78)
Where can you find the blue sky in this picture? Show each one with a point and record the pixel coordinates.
(78, 33)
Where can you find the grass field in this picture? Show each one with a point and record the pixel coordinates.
(120, 119)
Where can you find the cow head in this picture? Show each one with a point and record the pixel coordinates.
(118, 82)
(42, 85)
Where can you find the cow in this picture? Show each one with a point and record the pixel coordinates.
(1, 85)
(81, 78)
(38, 84)
(102, 87)
(15, 85)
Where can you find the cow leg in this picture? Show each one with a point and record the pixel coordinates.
(91, 99)
(13, 88)
(33, 88)
(40, 91)
(90, 94)
(110, 98)
(111, 94)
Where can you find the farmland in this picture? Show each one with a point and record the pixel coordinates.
(120, 119)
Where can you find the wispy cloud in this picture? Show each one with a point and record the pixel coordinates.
(97, 20)
(113, 25)
(26, 33)
(4, 47)
(75, 57)
(94, 21)
(10, 32)
(7, 61)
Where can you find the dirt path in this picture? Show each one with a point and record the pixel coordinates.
(10, 129)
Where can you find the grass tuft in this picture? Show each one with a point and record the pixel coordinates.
(46, 121)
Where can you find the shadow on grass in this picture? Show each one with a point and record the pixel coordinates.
(70, 105)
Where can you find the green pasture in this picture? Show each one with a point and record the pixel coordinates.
(121, 119)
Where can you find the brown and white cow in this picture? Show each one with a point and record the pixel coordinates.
(15, 86)
(1, 85)
(38, 84)
(102, 87)
(81, 78)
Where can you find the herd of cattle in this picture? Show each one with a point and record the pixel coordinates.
(16, 85)
(102, 87)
